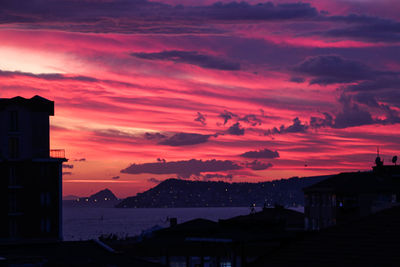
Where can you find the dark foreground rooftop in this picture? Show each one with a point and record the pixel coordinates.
(386, 180)
(79, 253)
(369, 241)
(273, 218)
(242, 237)
(36, 103)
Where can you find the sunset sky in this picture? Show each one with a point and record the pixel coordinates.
(206, 90)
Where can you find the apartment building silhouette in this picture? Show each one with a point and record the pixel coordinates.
(30, 172)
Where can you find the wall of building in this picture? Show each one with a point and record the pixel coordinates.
(30, 188)
(31, 129)
(324, 209)
(30, 200)
(319, 210)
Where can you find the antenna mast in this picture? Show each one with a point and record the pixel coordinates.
(378, 160)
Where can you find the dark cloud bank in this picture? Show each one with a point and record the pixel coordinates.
(192, 58)
(183, 168)
(67, 166)
(211, 176)
(235, 129)
(141, 16)
(261, 154)
(205, 177)
(185, 139)
(79, 160)
(227, 116)
(154, 180)
(47, 76)
(201, 118)
(364, 28)
(330, 69)
(366, 90)
(91, 11)
(258, 165)
(154, 136)
(296, 127)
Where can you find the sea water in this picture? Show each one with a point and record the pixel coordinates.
(83, 223)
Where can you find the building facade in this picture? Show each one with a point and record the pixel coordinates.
(348, 196)
(30, 173)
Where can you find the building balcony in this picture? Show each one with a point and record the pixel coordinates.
(57, 153)
(39, 154)
(52, 155)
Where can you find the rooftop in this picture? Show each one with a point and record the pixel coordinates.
(369, 241)
(382, 179)
(36, 103)
(76, 253)
(268, 216)
(253, 235)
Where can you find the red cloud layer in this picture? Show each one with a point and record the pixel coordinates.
(107, 98)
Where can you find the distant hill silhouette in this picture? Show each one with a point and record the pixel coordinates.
(103, 195)
(103, 198)
(183, 193)
(70, 197)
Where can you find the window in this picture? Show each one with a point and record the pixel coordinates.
(12, 225)
(178, 261)
(195, 261)
(42, 224)
(306, 223)
(13, 146)
(307, 200)
(12, 177)
(45, 199)
(225, 264)
(14, 121)
(12, 202)
(178, 264)
(43, 171)
(333, 200)
(209, 261)
(48, 225)
(48, 199)
(45, 225)
(42, 199)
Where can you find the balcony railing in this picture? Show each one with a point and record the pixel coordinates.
(57, 153)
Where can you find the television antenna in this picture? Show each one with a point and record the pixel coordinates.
(378, 160)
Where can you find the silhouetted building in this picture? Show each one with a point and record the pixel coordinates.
(31, 173)
(367, 241)
(275, 219)
(89, 253)
(348, 196)
(232, 242)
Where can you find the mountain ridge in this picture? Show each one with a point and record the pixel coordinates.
(174, 193)
(103, 198)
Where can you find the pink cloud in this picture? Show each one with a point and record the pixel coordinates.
(110, 89)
